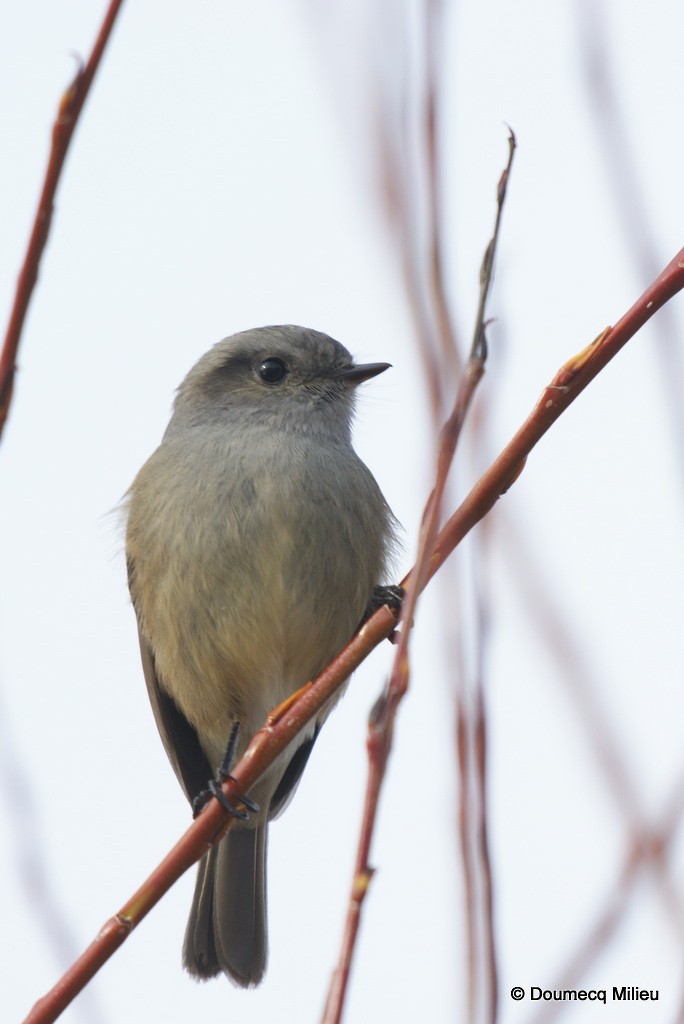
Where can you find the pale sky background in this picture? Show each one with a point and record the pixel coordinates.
(222, 177)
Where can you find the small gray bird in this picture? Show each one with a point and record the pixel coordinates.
(255, 539)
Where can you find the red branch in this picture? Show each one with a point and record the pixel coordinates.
(68, 113)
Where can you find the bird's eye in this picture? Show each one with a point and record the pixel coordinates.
(272, 370)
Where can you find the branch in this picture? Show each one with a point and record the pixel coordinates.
(284, 724)
(68, 113)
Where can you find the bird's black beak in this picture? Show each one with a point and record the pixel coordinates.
(358, 374)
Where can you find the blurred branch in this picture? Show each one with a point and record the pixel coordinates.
(68, 113)
(284, 724)
(491, 967)
(396, 196)
(583, 687)
(649, 850)
(576, 672)
(446, 331)
(33, 867)
(412, 198)
(618, 152)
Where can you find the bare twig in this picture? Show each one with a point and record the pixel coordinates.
(68, 113)
(470, 734)
(381, 723)
(283, 726)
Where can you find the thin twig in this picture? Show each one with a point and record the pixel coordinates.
(282, 727)
(490, 964)
(68, 113)
(381, 723)
(470, 734)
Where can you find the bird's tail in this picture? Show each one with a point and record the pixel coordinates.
(227, 926)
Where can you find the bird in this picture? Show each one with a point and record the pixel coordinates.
(256, 539)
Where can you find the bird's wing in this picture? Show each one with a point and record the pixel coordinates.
(179, 738)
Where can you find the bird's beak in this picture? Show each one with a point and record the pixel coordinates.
(358, 374)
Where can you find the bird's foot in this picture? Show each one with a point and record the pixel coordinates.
(383, 595)
(214, 786)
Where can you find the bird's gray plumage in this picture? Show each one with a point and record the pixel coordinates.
(255, 538)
